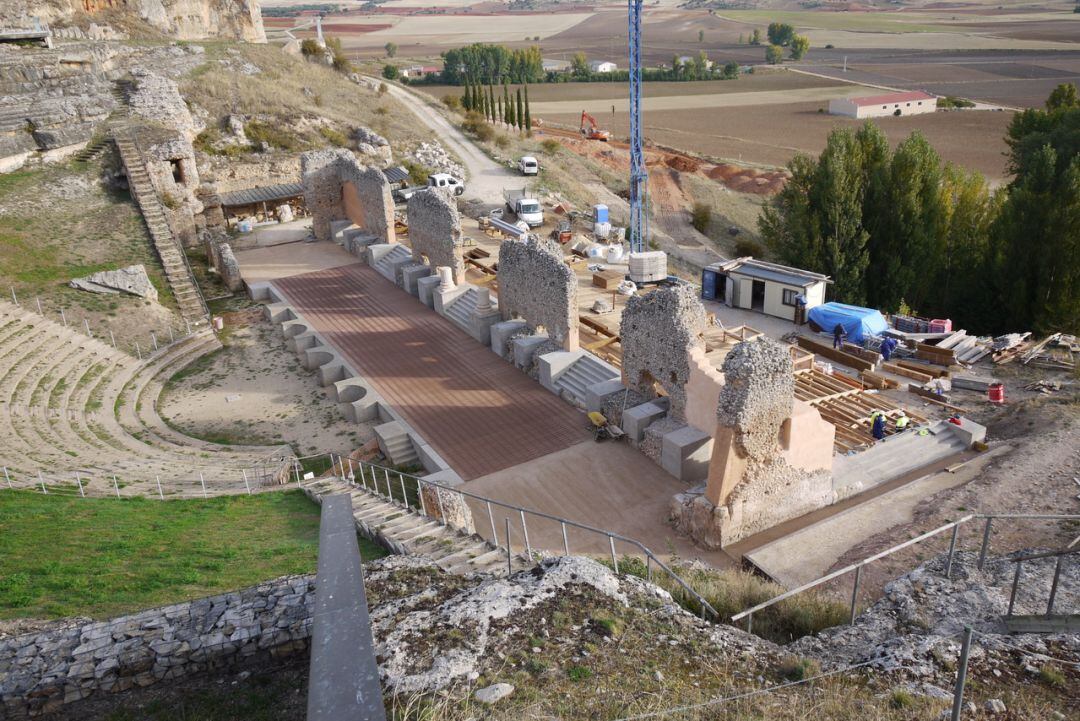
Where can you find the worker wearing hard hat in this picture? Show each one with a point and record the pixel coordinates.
(877, 425)
(902, 422)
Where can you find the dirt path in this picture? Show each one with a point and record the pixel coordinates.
(486, 177)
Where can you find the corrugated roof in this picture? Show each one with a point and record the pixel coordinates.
(261, 195)
(754, 271)
(892, 98)
(396, 174)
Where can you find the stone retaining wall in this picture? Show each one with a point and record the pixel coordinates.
(42, 671)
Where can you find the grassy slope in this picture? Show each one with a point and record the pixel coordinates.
(101, 557)
(60, 223)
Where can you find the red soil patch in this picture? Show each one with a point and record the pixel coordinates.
(683, 164)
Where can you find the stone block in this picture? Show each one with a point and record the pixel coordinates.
(685, 454)
(597, 393)
(525, 347)
(552, 365)
(338, 228)
(411, 275)
(426, 289)
(501, 333)
(968, 431)
(635, 420)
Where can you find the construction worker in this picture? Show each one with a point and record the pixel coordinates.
(887, 347)
(902, 422)
(877, 425)
(838, 334)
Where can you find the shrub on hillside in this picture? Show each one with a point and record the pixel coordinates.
(745, 246)
(700, 216)
(550, 146)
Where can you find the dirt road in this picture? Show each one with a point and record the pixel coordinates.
(486, 177)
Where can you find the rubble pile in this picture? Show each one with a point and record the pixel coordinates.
(434, 155)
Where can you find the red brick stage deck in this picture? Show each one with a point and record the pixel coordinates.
(476, 410)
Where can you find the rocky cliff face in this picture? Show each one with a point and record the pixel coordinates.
(181, 19)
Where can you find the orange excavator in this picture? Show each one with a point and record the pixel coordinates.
(593, 131)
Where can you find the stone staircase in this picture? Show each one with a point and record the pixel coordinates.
(582, 373)
(461, 310)
(400, 449)
(896, 456)
(405, 531)
(385, 265)
(181, 280)
(70, 403)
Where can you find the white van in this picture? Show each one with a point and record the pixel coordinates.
(528, 165)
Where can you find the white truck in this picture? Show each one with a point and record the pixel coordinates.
(528, 165)
(435, 180)
(524, 206)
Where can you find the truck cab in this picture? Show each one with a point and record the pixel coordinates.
(528, 165)
(446, 182)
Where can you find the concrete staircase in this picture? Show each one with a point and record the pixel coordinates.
(70, 403)
(894, 457)
(181, 280)
(385, 265)
(582, 373)
(405, 531)
(461, 309)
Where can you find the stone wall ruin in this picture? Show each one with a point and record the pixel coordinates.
(658, 332)
(435, 232)
(537, 286)
(752, 485)
(337, 187)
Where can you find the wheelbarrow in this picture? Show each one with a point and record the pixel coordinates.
(602, 429)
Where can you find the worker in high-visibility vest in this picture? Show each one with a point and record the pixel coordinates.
(902, 422)
(877, 425)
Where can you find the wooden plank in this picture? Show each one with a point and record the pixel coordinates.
(907, 372)
(927, 368)
(937, 359)
(601, 343)
(827, 351)
(868, 355)
(877, 381)
(596, 326)
(934, 398)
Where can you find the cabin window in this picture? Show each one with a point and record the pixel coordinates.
(789, 297)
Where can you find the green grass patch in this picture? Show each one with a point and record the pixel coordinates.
(105, 557)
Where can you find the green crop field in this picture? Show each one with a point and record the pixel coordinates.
(104, 557)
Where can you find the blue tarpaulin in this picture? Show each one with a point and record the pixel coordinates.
(858, 322)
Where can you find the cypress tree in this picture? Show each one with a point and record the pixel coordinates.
(466, 99)
(520, 116)
(491, 102)
(506, 104)
(528, 114)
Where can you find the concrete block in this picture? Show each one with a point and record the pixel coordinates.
(968, 431)
(390, 437)
(301, 342)
(685, 454)
(278, 312)
(338, 228)
(261, 290)
(447, 477)
(597, 393)
(500, 335)
(411, 275)
(376, 251)
(480, 325)
(426, 289)
(356, 241)
(293, 328)
(360, 403)
(635, 420)
(524, 348)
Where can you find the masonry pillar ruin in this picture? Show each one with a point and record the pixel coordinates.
(754, 481)
(435, 232)
(337, 187)
(536, 285)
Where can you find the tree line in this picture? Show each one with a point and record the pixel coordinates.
(509, 107)
(900, 228)
(492, 65)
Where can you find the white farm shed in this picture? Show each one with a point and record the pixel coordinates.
(914, 102)
(764, 287)
(603, 66)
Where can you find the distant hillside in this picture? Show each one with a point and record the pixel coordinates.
(179, 19)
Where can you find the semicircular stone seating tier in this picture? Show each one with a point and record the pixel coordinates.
(71, 404)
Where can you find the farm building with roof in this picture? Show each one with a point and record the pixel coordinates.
(878, 106)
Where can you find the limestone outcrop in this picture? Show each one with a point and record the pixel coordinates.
(131, 280)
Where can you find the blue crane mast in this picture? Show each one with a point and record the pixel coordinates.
(639, 220)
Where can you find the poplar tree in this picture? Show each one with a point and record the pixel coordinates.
(519, 118)
(528, 114)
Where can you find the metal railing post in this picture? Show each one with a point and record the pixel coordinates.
(491, 520)
(63, 318)
(1054, 585)
(961, 675)
(38, 300)
(1012, 595)
(565, 539)
(509, 554)
(386, 477)
(423, 506)
(160, 494)
(246, 484)
(86, 324)
(112, 339)
(203, 482)
(42, 482)
(116, 485)
(648, 568)
(985, 543)
(138, 350)
(7, 477)
(438, 501)
(14, 297)
(525, 532)
(855, 595)
(404, 495)
(952, 551)
(614, 561)
(352, 471)
(79, 481)
(749, 623)
(153, 339)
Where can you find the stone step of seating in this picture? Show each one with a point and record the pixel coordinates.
(584, 372)
(385, 265)
(461, 310)
(894, 457)
(402, 450)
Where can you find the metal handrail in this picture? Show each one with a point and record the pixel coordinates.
(1019, 561)
(564, 523)
(857, 567)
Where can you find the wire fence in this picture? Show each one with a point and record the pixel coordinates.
(149, 341)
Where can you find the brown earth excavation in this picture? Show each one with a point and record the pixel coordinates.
(476, 410)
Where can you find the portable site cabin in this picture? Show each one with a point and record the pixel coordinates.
(764, 287)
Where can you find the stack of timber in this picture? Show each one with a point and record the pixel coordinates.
(1058, 351)
(1007, 347)
(967, 349)
(837, 356)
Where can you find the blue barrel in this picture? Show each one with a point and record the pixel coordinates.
(709, 279)
(600, 214)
